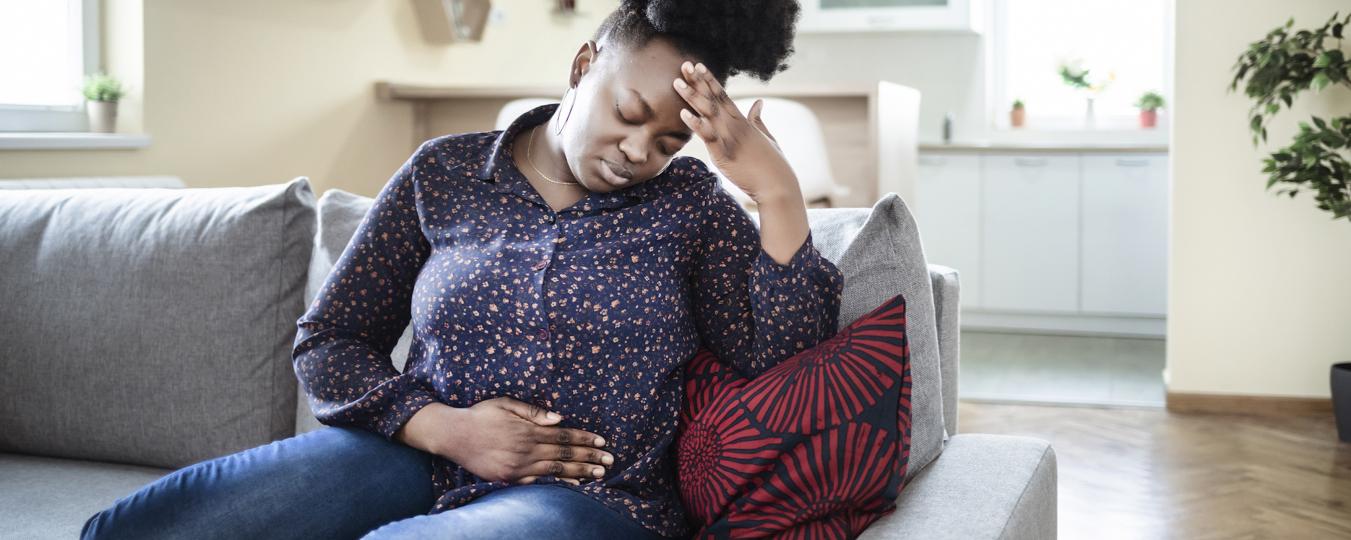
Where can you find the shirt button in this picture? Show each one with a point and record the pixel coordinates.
(549, 218)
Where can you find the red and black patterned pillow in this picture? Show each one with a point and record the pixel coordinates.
(816, 447)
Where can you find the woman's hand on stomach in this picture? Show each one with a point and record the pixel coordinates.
(508, 440)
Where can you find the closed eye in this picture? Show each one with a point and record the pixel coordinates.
(620, 114)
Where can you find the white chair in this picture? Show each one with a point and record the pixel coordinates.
(798, 132)
(517, 107)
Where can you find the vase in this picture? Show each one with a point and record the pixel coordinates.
(1089, 120)
(1341, 399)
(102, 116)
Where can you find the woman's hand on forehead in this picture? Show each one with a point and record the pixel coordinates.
(740, 145)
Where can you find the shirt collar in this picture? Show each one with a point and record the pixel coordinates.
(499, 169)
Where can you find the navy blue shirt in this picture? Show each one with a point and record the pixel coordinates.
(591, 311)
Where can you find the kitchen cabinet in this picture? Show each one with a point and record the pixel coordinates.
(1125, 234)
(952, 237)
(1029, 248)
(1059, 239)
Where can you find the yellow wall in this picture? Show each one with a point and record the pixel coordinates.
(1259, 285)
(252, 92)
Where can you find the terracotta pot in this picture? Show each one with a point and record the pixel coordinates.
(1149, 118)
(102, 116)
(1017, 117)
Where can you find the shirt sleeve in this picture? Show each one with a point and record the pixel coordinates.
(751, 311)
(341, 352)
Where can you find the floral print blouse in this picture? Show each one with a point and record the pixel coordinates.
(591, 311)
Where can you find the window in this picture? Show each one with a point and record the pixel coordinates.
(1130, 41)
(46, 49)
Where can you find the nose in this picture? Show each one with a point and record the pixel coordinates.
(636, 152)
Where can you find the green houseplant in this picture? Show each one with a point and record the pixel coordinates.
(102, 92)
(1277, 68)
(1149, 103)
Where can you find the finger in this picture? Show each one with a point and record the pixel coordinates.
(532, 412)
(580, 454)
(565, 469)
(527, 480)
(694, 92)
(699, 126)
(714, 90)
(545, 434)
(756, 110)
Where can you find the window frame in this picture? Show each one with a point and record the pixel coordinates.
(61, 118)
(998, 98)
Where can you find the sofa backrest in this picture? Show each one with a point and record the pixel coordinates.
(150, 326)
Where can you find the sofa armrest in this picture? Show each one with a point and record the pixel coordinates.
(947, 315)
(982, 486)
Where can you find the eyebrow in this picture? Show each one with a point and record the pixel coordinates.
(647, 109)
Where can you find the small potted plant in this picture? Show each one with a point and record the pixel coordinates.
(102, 92)
(1017, 115)
(1149, 103)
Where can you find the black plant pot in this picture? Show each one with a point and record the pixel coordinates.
(1341, 399)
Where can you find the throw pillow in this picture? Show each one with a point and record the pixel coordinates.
(816, 447)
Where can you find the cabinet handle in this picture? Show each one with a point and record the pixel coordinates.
(1120, 162)
(1028, 162)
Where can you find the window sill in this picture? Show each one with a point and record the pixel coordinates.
(72, 141)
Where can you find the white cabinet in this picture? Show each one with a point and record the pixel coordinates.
(1050, 240)
(1125, 234)
(947, 211)
(1029, 243)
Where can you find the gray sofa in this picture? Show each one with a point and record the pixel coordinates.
(149, 329)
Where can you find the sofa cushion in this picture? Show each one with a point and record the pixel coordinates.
(150, 326)
(879, 252)
(877, 249)
(45, 497)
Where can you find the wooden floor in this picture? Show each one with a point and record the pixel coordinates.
(1146, 473)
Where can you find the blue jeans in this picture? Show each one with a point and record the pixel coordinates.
(342, 482)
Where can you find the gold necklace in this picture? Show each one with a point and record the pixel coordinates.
(529, 149)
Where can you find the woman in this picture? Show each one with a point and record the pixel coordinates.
(558, 275)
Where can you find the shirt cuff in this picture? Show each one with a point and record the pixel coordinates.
(806, 261)
(410, 399)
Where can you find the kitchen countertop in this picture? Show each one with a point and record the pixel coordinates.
(1025, 147)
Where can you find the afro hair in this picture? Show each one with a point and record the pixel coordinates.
(728, 36)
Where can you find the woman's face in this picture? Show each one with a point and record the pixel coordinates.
(626, 118)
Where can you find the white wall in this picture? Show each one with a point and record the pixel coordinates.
(1259, 285)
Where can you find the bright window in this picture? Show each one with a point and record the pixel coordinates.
(46, 48)
(1125, 44)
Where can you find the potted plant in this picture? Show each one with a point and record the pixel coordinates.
(102, 92)
(1149, 103)
(1278, 67)
(1017, 115)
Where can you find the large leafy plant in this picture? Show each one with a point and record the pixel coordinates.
(1281, 66)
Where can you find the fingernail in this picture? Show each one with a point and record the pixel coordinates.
(553, 416)
(600, 441)
(607, 460)
(680, 83)
(700, 67)
(598, 472)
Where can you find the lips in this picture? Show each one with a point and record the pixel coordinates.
(622, 174)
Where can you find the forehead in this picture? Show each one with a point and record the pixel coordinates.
(650, 70)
